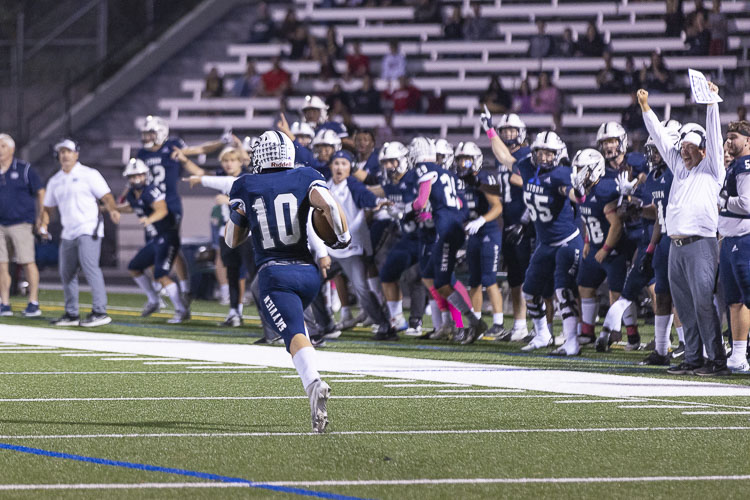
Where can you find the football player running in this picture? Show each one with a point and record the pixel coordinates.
(288, 278)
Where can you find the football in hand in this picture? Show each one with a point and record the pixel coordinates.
(323, 228)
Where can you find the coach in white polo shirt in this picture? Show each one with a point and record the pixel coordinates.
(692, 221)
(74, 191)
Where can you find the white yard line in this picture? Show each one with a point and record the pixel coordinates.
(403, 368)
(37, 351)
(134, 357)
(88, 354)
(371, 381)
(716, 412)
(183, 362)
(117, 486)
(584, 401)
(420, 385)
(376, 433)
(16, 347)
(665, 407)
(224, 367)
(252, 398)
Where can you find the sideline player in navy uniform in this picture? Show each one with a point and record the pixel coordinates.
(485, 234)
(148, 202)
(272, 207)
(163, 156)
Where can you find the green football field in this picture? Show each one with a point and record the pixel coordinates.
(195, 411)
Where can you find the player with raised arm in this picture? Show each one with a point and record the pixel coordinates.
(148, 202)
(272, 207)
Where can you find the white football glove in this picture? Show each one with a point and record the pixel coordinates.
(474, 226)
(624, 186)
(578, 181)
(485, 118)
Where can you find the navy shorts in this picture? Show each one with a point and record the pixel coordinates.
(160, 252)
(401, 257)
(426, 243)
(592, 274)
(560, 262)
(635, 280)
(285, 292)
(450, 238)
(661, 265)
(516, 259)
(483, 258)
(734, 269)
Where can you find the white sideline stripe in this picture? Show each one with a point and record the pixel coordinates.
(332, 375)
(674, 407)
(117, 486)
(420, 385)
(372, 381)
(580, 401)
(371, 433)
(224, 367)
(559, 381)
(135, 357)
(36, 351)
(251, 398)
(90, 354)
(138, 372)
(17, 347)
(716, 412)
(480, 390)
(511, 480)
(183, 363)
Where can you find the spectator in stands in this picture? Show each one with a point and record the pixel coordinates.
(406, 98)
(674, 18)
(566, 46)
(299, 43)
(631, 77)
(214, 84)
(522, 98)
(394, 64)
(349, 83)
(387, 131)
(592, 44)
(478, 27)
(546, 97)
(540, 45)
(366, 100)
(656, 78)
(609, 79)
(290, 24)
(697, 36)
(700, 9)
(427, 11)
(496, 98)
(719, 29)
(338, 96)
(357, 64)
(262, 29)
(276, 81)
(249, 84)
(453, 28)
(332, 45)
(21, 205)
(327, 66)
(435, 103)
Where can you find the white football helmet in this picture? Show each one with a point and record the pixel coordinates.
(444, 148)
(474, 154)
(549, 141)
(393, 150)
(588, 166)
(273, 150)
(248, 143)
(315, 102)
(302, 128)
(157, 125)
(612, 130)
(692, 133)
(512, 120)
(421, 150)
(134, 167)
(326, 137)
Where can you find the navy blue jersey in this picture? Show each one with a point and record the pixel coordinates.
(143, 206)
(475, 199)
(637, 163)
(739, 166)
(276, 205)
(656, 192)
(512, 196)
(371, 166)
(592, 211)
(165, 172)
(337, 127)
(19, 186)
(403, 192)
(443, 195)
(545, 193)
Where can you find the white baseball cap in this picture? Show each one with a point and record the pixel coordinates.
(67, 144)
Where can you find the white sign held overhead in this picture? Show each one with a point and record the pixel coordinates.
(701, 92)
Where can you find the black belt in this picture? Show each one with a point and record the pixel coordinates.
(681, 242)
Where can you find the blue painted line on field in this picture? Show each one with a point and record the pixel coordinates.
(180, 472)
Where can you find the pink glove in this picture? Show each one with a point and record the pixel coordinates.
(424, 216)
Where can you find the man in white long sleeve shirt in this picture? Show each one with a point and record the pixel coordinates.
(734, 226)
(692, 222)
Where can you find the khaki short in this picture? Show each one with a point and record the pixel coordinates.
(17, 240)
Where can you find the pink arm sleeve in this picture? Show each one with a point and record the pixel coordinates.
(424, 195)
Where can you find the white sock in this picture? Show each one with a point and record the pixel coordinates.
(185, 286)
(446, 317)
(497, 318)
(540, 325)
(588, 310)
(630, 316)
(346, 312)
(304, 362)
(224, 292)
(374, 285)
(662, 326)
(520, 324)
(477, 315)
(437, 317)
(613, 320)
(240, 306)
(739, 350)
(395, 308)
(144, 282)
(174, 295)
(680, 333)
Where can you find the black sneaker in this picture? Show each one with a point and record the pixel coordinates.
(650, 346)
(96, 319)
(474, 332)
(384, 335)
(634, 342)
(317, 341)
(682, 369)
(655, 359)
(265, 341)
(602, 342)
(679, 352)
(66, 320)
(495, 331)
(713, 369)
